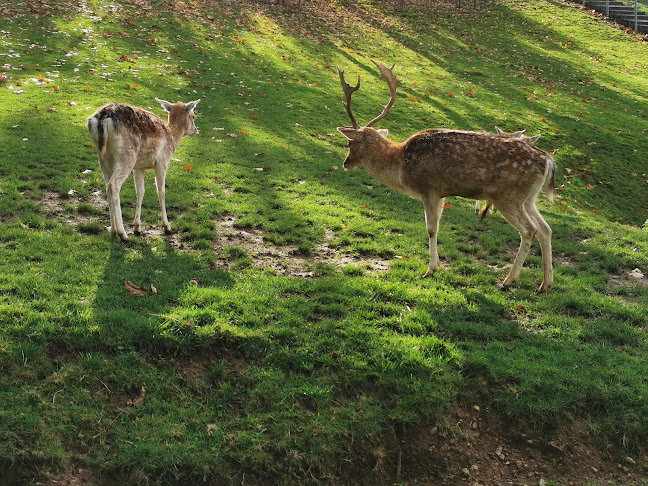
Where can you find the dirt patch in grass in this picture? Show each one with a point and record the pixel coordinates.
(283, 259)
(69, 474)
(286, 259)
(628, 278)
(479, 447)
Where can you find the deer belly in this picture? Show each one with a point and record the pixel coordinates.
(467, 192)
(146, 160)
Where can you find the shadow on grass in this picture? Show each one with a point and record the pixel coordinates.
(128, 322)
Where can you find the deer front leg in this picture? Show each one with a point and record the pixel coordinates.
(433, 207)
(160, 177)
(138, 176)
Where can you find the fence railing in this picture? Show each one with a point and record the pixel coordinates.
(630, 12)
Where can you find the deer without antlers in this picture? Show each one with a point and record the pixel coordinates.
(130, 139)
(433, 164)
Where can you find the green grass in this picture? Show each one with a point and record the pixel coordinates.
(252, 370)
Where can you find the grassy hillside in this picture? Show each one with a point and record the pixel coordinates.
(291, 337)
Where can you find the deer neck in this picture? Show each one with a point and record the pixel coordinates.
(176, 133)
(384, 163)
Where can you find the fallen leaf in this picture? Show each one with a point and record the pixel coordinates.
(447, 206)
(133, 289)
(137, 402)
(187, 167)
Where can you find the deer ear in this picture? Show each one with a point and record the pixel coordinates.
(349, 133)
(519, 134)
(534, 139)
(192, 105)
(166, 106)
(499, 131)
(383, 132)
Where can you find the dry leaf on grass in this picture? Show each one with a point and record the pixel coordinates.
(133, 289)
(137, 402)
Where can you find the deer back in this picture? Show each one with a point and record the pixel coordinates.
(470, 164)
(133, 126)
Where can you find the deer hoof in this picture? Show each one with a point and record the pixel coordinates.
(168, 231)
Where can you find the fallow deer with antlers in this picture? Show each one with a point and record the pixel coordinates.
(482, 212)
(130, 139)
(433, 164)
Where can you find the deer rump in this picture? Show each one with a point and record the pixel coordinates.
(475, 165)
(112, 117)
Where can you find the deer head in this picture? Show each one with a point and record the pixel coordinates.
(363, 140)
(530, 140)
(183, 114)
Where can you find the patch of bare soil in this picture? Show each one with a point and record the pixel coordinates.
(287, 259)
(71, 475)
(283, 260)
(56, 207)
(628, 278)
(480, 448)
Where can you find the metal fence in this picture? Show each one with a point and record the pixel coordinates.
(631, 13)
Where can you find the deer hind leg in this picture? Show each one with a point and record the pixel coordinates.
(107, 165)
(544, 237)
(138, 176)
(518, 217)
(113, 187)
(107, 170)
(433, 207)
(160, 177)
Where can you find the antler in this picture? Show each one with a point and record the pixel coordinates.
(348, 91)
(392, 81)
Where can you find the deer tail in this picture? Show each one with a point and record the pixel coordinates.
(484, 211)
(549, 182)
(100, 129)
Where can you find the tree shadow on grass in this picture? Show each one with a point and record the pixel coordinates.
(130, 322)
